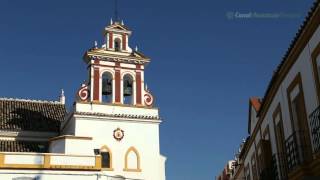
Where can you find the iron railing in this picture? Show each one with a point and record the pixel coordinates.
(298, 149)
(266, 174)
(315, 129)
(279, 166)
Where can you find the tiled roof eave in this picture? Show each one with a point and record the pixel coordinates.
(29, 100)
(283, 63)
(23, 146)
(31, 115)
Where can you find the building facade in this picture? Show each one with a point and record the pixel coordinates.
(284, 125)
(226, 172)
(111, 132)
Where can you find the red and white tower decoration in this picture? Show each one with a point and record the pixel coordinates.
(114, 110)
(116, 71)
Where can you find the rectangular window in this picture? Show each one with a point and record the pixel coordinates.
(247, 172)
(278, 129)
(280, 137)
(297, 105)
(254, 167)
(280, 157)
(298, 111)
(299, 142)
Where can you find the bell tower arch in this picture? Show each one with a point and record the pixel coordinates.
(117, 71)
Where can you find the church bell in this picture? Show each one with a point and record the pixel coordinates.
(127, 90)
(107, 88)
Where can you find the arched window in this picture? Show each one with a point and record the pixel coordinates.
(127, 89)
(132, 160)
(117, 44)
(106, 158)
(107, 87)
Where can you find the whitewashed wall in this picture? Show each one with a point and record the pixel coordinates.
(141, 135)
(304, 66)
(54, 175)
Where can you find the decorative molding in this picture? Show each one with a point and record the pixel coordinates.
(70, 137)
(316, 73)
(120, 104)
(124, 59)
(118, 134)
(148, 99)
(119, 115)
(126, 168)
(83, 92)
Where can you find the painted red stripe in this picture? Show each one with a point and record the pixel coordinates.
(117, 84)
(96, 85)
(138, 86)
(110, 40)
(124, 41)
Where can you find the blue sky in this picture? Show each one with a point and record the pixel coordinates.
(205, 64)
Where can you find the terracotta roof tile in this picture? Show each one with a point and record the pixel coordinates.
(256, 103)
(23, 146)
(298, 35)
(30, 115)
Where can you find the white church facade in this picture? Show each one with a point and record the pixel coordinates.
(111, 132)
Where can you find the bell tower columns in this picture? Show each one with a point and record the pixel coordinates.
(96, 85)
(110, 40)
(138, 85)
(117, 84)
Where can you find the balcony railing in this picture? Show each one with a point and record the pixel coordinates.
(266, 174)
(279, 166)
(298, 150)
(315, 129)
(13, 160)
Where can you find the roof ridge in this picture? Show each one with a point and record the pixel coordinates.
(29, 100)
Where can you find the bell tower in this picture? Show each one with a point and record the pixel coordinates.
(113, 115)
(116, 71)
